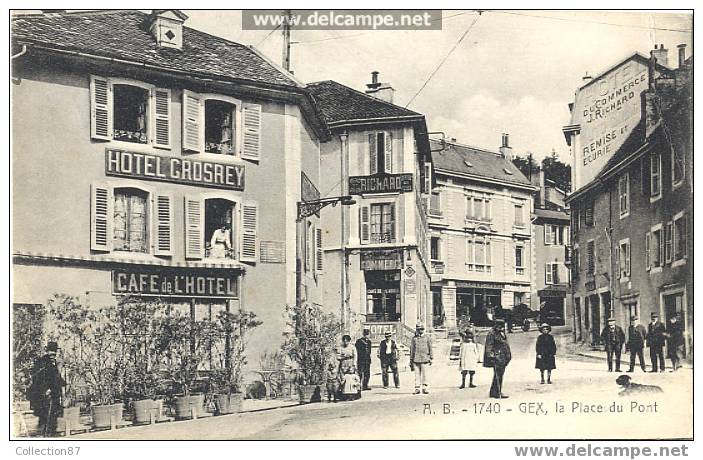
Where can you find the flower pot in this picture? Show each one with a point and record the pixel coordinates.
(185, 403)
(228, 404)
(104, 415)
(146, 408)
(309, 393)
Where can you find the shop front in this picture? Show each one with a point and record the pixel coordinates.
(552, 303)
(478, 301)
(382, 277)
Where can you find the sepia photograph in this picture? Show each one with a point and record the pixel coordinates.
(347, 224)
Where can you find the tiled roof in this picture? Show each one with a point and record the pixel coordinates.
(122, 34)
(476, 162)
(341, 103)
(551, 214)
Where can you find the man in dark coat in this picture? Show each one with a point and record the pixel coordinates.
(363, 359)
(497, 355)
(675, 341)
(614, 338)
(636, 334)
(388, 355)
(655, 342)
(46, 390)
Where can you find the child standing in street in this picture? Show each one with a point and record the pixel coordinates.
(331, 382)
(468, 357)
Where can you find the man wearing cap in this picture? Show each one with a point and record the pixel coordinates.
(655, 342)
(675, 341)
(636, 334)
(496, 354)
(45, 390)
(420, 358)
(388, 355)
(613, 338)
(363, 358)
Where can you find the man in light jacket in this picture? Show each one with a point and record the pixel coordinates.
(421, 358)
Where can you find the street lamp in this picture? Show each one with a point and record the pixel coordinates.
(308, 208)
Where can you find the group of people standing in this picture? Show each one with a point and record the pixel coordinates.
(654, 337)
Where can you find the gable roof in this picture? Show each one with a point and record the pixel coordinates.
(122, 34)
(484, 164)
(340, 103)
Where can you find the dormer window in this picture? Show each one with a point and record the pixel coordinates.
(166, 26)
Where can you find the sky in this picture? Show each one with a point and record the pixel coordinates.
(515, 71)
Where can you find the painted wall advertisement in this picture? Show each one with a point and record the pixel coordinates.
(607, 110)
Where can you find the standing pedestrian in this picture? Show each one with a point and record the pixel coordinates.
(388, 355)
(655, 342)
(546, 349)
(614, 338)
(363, 358)
(468, 357)
(636, 334)
(46, 390)
(675, 342)
(346, 356)
(332, 382)
(497, 355)
(421, 358)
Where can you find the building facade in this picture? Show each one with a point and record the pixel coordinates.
(551, 225)
(480, 237)
(153, 160)
(374, 249)
(632, 225)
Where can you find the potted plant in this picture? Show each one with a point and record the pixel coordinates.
(231, 332)
(309, 342)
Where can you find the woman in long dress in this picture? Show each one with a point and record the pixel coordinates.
(546, 350)
(346, 355)
(468, 359)
(220, 242)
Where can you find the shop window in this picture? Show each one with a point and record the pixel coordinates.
(624, 194)
(519, 260)
(130, 111)
(130, 222)
(382, 295)
(680, 238)
(219, 229)
(219, 127)
(655, 163)
(380, 153)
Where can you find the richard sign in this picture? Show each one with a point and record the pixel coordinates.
(380, 183)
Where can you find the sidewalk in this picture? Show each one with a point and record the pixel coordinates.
(625, 359)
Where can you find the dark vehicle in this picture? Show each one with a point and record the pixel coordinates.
(551, 317)
(523, 316)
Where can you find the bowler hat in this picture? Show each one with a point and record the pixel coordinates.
(611, 320)
(634, 318)
(545, 326)
(388, 334)
(52, 346)
(655, 315)
(419, 325)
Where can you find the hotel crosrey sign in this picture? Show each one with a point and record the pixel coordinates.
(174, 169)
(381, 183)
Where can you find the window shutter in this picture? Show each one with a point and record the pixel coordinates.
(647, 250)
(192, 122)
(101, 218)
(161, 114)
(319, 254)
(548, 234)
(394, 223)
(164, 226)
(307, 245)
(487, 209)
(469, 252)
(373, 159)
(251, 132)
(365, 224)
(646, 185)
(548, 273)
(489, 256)
(100, 108)
(250, 224)
(388, 153)
(668, 239)
(617, 262)
(627, 259)
(194, 227)
(684, 236)
(428, 177)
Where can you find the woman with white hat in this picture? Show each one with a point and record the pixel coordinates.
(546, 350)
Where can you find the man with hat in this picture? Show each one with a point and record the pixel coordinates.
(388, 355)
(496, 354)
(636, 334)
(613, 338)
(45, 390)
(675, 341)
(363, 358)
(420, 358)
(655, 342)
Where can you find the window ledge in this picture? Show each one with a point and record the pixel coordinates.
(653, 199)
(135, 146)
(627, 214)
(655, 269)
(215, 157)
(678, 263)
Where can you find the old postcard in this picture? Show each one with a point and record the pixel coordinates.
(337, 224)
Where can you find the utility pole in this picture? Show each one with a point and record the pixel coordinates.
(286, 39)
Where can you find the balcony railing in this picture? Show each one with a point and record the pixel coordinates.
(229, 254)
(382, 317)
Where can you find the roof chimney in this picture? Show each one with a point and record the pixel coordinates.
(382, 91)
(505, 148)
(166, 26)
(586, 78)
(682, 54)
(661, 54)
